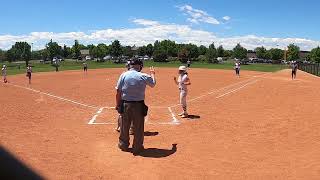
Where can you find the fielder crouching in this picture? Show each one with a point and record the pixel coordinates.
(130, 104)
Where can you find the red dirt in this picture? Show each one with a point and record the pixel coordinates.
(268, 129)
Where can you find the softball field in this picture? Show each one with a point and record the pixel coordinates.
(258, 126)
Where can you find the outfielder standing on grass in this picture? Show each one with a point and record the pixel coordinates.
(4, 73)
(130, 104)
(29, 72)
(183, 81)
(188, 63)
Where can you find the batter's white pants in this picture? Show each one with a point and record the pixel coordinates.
(183, 100)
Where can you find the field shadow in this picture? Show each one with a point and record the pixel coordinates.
(148, 133)
(193, 117)
(12, 168)
(158, 153)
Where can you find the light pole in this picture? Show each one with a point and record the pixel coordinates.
(31, 51)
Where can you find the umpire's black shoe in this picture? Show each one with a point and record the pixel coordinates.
(123, 148)
(137, 152)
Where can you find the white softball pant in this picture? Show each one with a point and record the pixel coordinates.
(183, 99)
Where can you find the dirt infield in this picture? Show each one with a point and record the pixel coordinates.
(258, 126)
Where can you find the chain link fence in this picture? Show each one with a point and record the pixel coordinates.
(310, 68)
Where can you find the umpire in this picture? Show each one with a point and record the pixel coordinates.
(130, 104)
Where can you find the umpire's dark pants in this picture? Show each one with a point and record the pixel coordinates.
(133, 112)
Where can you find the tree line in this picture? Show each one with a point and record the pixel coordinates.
(162, 51)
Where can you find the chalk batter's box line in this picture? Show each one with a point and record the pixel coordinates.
(233, 88)
(174, 120)
(92, 121)
(148, 123)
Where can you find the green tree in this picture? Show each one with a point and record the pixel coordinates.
(2, 55)
(276, 54)
(202, 50)
(228, 53)
(156, 45)
(90, 47)
(149, 50)
(183, 55)
(160, 55)
(76, 49)
(127, 51)
(99, 51)
(66, 51)
(239, 52)
(315, 54)
(193, 51)
(170, 47)
(11, 54)
(53, 49)
(211, 54)
(202, 58)
(95, 52)
(115, 49)
(220, 51)
(261, 52)
(293, 52)
(37, 54)
(81, 47)
(20, 51)
(142, 51)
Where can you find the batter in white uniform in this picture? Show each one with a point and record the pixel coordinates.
(183, 81)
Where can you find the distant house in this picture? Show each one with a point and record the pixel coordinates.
(251, 55)
(84, 53)
(303, 54)
(134, 48)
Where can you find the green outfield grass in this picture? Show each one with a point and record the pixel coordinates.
(73, 65)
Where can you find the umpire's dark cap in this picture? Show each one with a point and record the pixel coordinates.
(136, 61)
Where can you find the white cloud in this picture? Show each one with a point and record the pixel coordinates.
(197, 15)
(148, 31)
(146, 22)
(226, 18)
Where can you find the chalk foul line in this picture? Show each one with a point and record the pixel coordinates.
(55, 96)
(231, 86)
(237, 89)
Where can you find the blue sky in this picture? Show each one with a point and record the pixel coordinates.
(249, 22)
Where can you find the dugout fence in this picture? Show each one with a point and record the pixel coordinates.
(310, 68)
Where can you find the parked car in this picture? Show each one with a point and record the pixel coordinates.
(55, 59)
(244, 61)
(87, 58)
(108, 57)
(145, 58)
